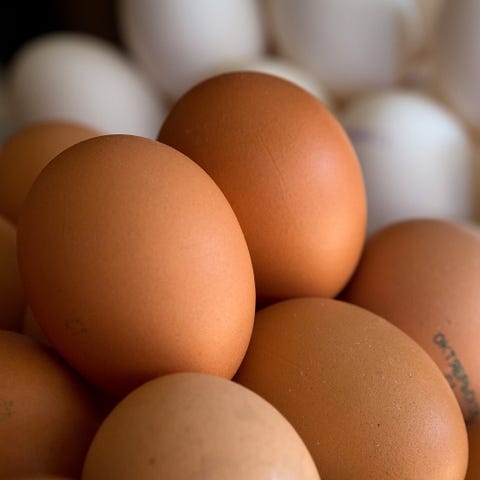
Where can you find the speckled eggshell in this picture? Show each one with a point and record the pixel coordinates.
(134, 264)
(27, 152)
(289, 172)
(368, 402)
(48, 416)
(12, 301)
(189, 426)
(423, 276)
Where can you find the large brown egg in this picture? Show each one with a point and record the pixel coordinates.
(26, 152)
(134, 264)
(423, 276)
(188, 426)
(47, 415)
(289, 172)
(368, 402)
(12, 302)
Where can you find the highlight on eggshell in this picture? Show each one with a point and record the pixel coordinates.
(134, 264)
(289, 171)
(417, 158)
(81, 78)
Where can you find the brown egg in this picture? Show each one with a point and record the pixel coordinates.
(189, 426)
(26, 153)
(134, 264)
(47, 415)
(423, 276)
(368, 402)
(12, 302)
(289, 172)
(473, 472)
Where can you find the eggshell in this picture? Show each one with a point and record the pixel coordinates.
(189, 425)
(368, 402)
(12, 301)
(473, 472)
(80, 78)
(289, 171)
(275, 65)
(179, 43)
(457, 57)
(25, 154)
(423, 275)
(39, 477)
(134, 264)
(416, 156)
(47, 415)
(32, 329)
(350, 46)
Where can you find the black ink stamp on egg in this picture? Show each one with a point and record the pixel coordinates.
(457, 376)
(6, 409)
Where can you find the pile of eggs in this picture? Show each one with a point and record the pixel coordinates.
(244, 244)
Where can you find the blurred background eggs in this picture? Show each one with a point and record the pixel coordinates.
(204, 201)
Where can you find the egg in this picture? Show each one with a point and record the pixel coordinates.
(47, 414)
(26, 153)
(76, 77)
(422, 275)
(188, 425)
(32, 329)
(179, 43)
(368, 402)
(275, 65)
(134, 264)
(350, 46)
(473, 471)
(457, 57)
(12, 300)
(416, 156)
(289, 171)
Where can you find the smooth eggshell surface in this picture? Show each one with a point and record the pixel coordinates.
(27, 152)
(187, 426)
(423, 275)
(134, 264)
(47, 415)
(289, 171)
(367, 401)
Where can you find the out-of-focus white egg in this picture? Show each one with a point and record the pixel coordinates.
(179, 42)
(457, 56)
(285, 69)
(416, 157)
(77, 77)
(351, 46)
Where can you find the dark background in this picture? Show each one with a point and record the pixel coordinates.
(22, 20)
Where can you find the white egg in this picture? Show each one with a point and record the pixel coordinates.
(457, 55)
(81, 78)
(285, 69)
(351, 45)
(178, 42)
(416, 157)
